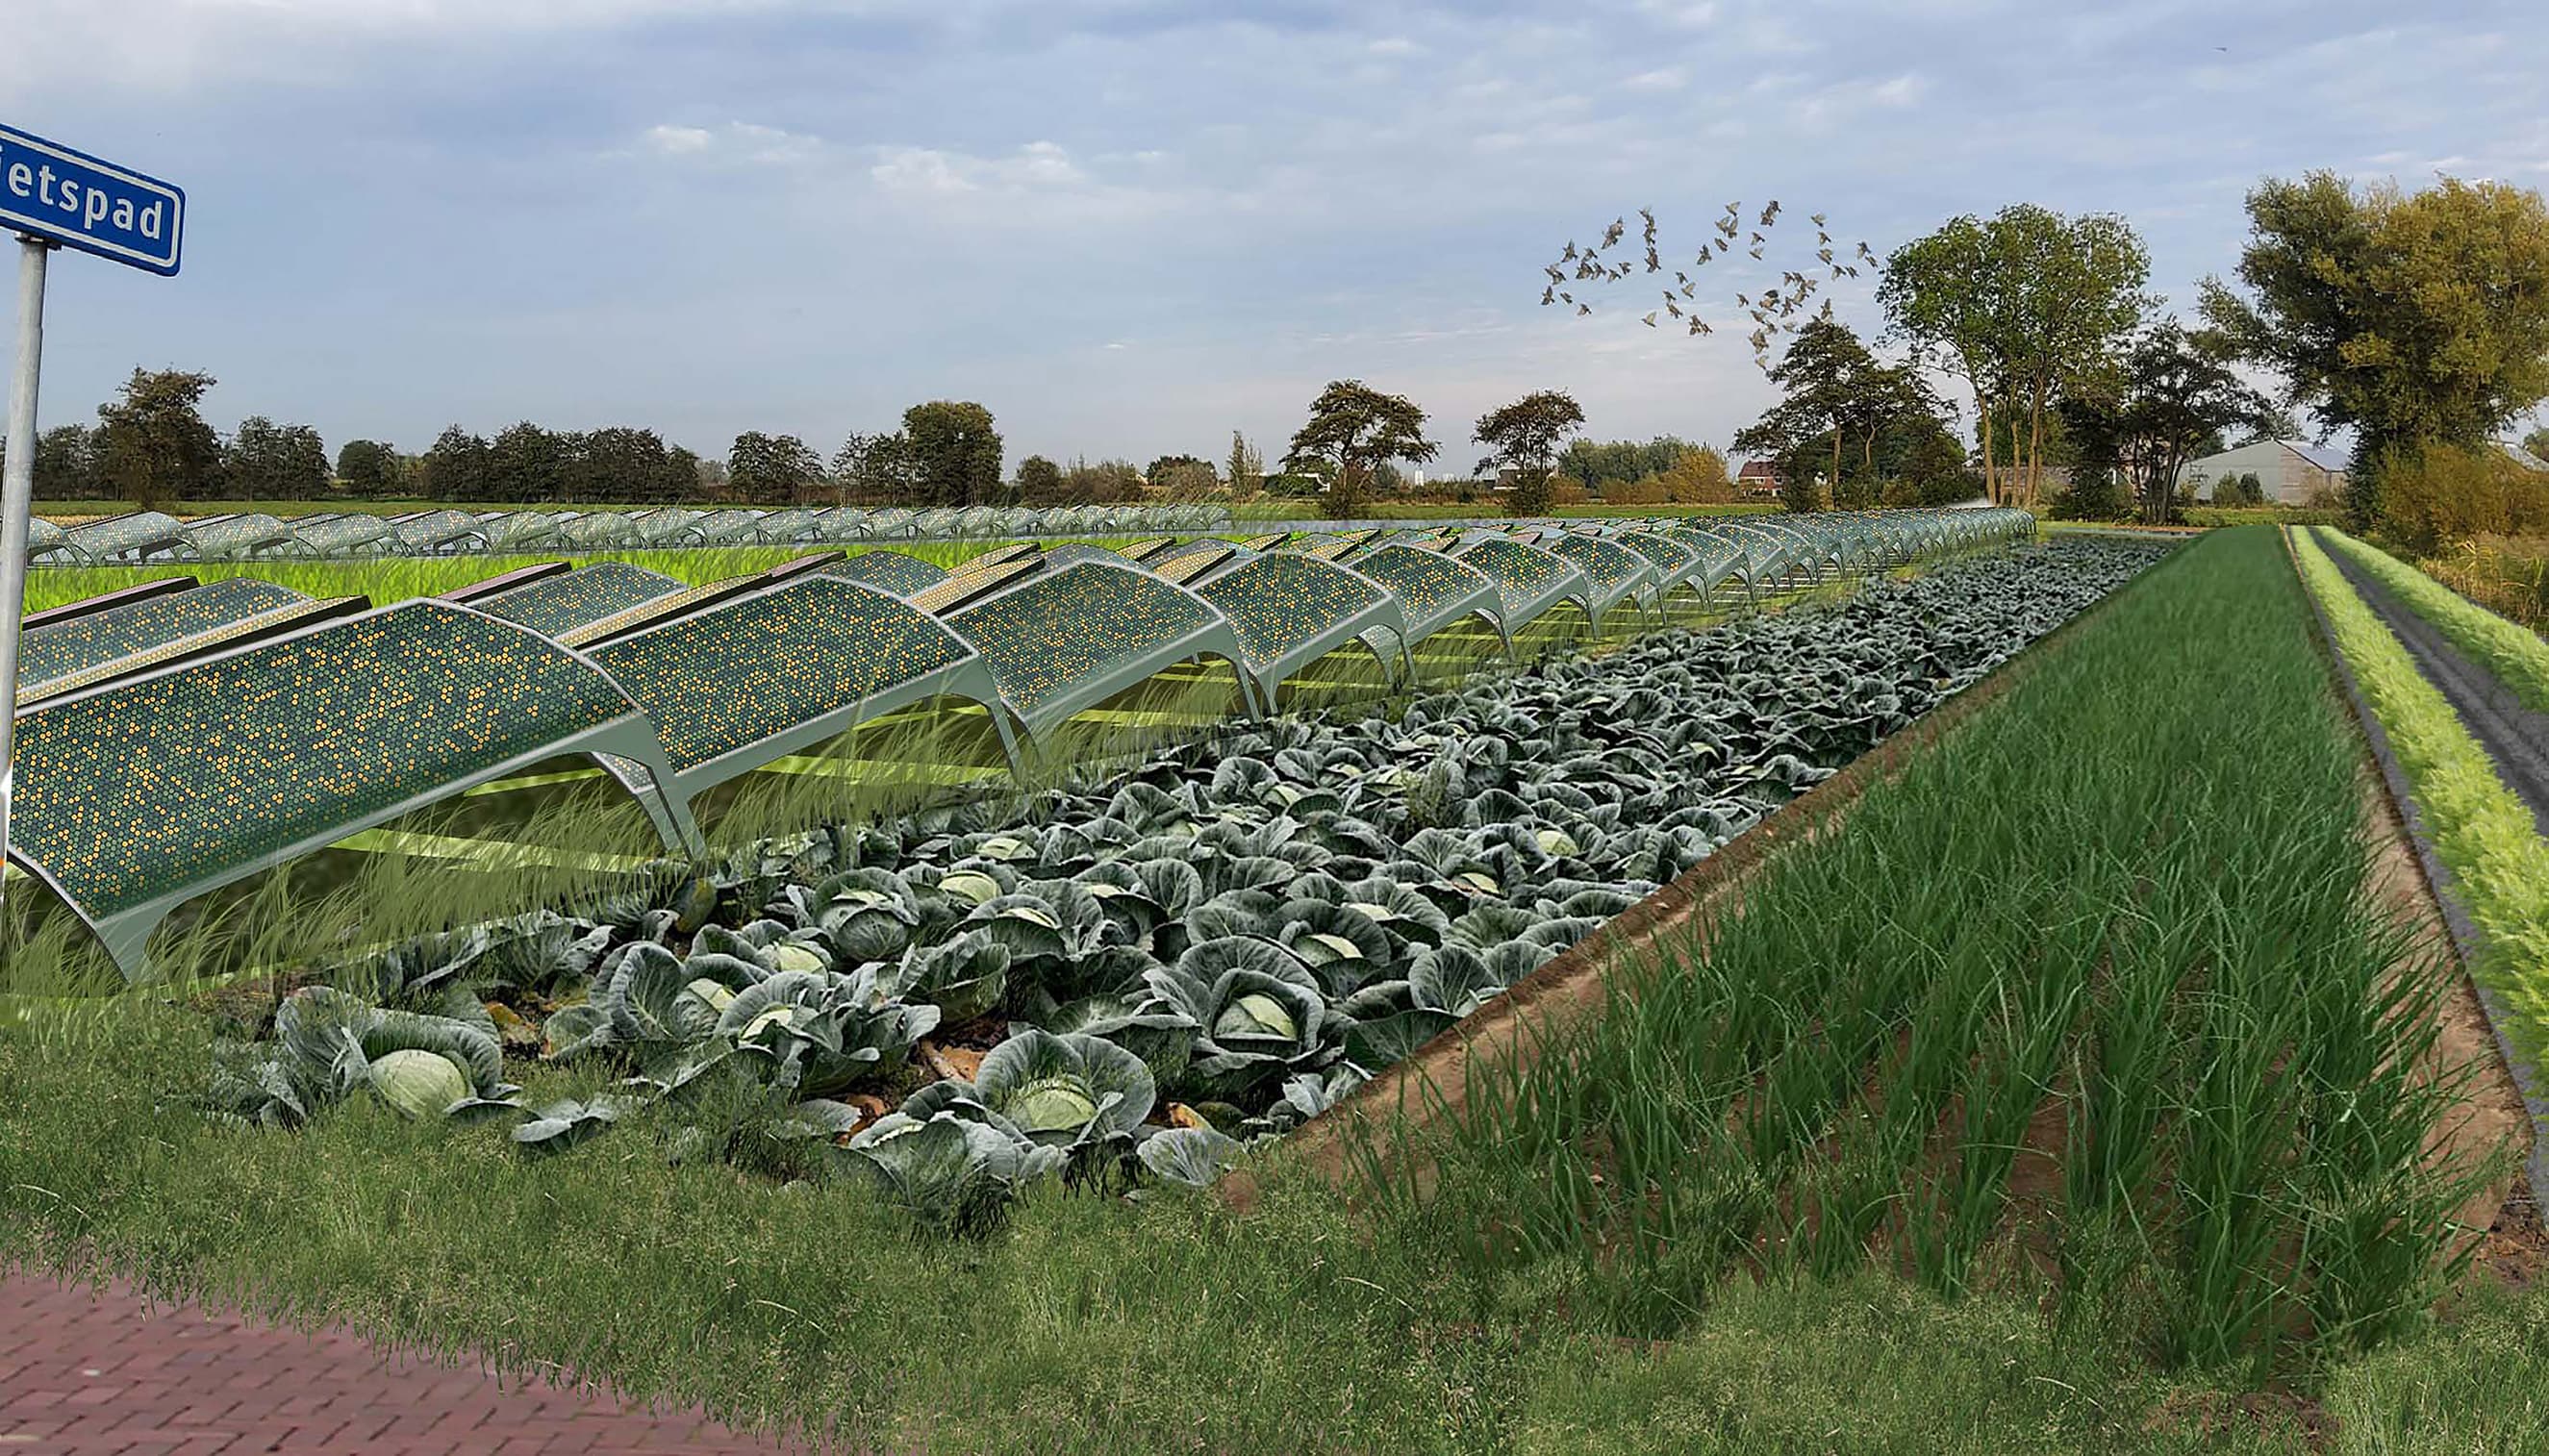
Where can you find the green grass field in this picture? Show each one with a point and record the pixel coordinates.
(1292, 1317)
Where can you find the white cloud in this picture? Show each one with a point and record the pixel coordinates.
(1394, 45)
(679, 140)
(1038, 165)
(747, 141)
(1667, 78)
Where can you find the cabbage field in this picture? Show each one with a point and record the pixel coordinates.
(1140, 975)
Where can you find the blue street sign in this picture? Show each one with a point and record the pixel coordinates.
(84, 202)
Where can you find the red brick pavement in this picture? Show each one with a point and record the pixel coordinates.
(96, 1374)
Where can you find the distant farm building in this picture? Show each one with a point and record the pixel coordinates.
(1759, 478)
(2293, 472)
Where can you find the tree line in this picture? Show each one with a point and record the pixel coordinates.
(2417, 322)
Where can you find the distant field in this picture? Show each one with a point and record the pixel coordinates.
(1391, 510)
(396, 578)
(63, 511)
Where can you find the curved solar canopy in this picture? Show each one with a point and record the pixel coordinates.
(91, 647)
(242, 534)
(439, 532)
(1065, 642)
(138, 796)
(778, 672)
(1613, 572)
(890, 571)
(555, 605)
(1290, 610)
(1528, 580)
(1433, 592)
(134, 536)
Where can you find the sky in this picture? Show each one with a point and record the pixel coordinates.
(1130, 226)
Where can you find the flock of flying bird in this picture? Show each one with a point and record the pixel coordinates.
(1771, 313)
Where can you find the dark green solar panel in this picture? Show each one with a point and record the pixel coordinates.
(66, 649)
(1426, 583)
(892, 571)
(147, 789)
(753, 668)
(1278, 603)
(1052, 635)
(580, 597)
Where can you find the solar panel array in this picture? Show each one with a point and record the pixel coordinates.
(175, 737)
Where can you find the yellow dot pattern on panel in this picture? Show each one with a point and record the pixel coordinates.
(890, 571)
(118, 535)
(1057, 631)
(753, 668)
(966, 588)
(1667, 553)
(1423, 582)
(1276, 604)
(1193, 564)
(148, 787)
(63, 649)
(1522, 574)
(576, 599)
(1605, 565)
(645, 614)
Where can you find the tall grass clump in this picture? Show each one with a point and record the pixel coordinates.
(2095, 989)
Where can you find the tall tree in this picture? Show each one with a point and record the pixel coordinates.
(2413, 319)
(1524, 436)
(153, 444)
(877, 469)
(455, 467)
(1823, 376)
(2170, 400)
(369, 468)
(1355, 429)
(773, 470)
(529, 465)
(66, 463)
(956, 451)
(1246, 471)
(625, 463)
(266, 461)
(2537, 442)
(1039, 481)
(2018, 306)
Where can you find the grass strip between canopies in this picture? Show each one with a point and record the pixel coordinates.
(2484, 835)
(2515, 653)
(1183, 1322)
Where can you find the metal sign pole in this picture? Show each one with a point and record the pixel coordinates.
(17, 502)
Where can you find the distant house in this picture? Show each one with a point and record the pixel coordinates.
(2293, 472)
(1759, 478)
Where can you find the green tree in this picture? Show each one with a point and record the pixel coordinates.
(66, 463)
(153, 444)
(369, 469)
(1822, 375)
(2411, 318)
(773, 470)
(529, 465)
(955, 451)
(266, 461)
(625, 463)
(455, 469)
(1247, 470)
(1166, 463)
(1355, 429)
(1039, 481)
(2170, 400)
(2537, 442)
(2019, 306)
(1524, 438)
